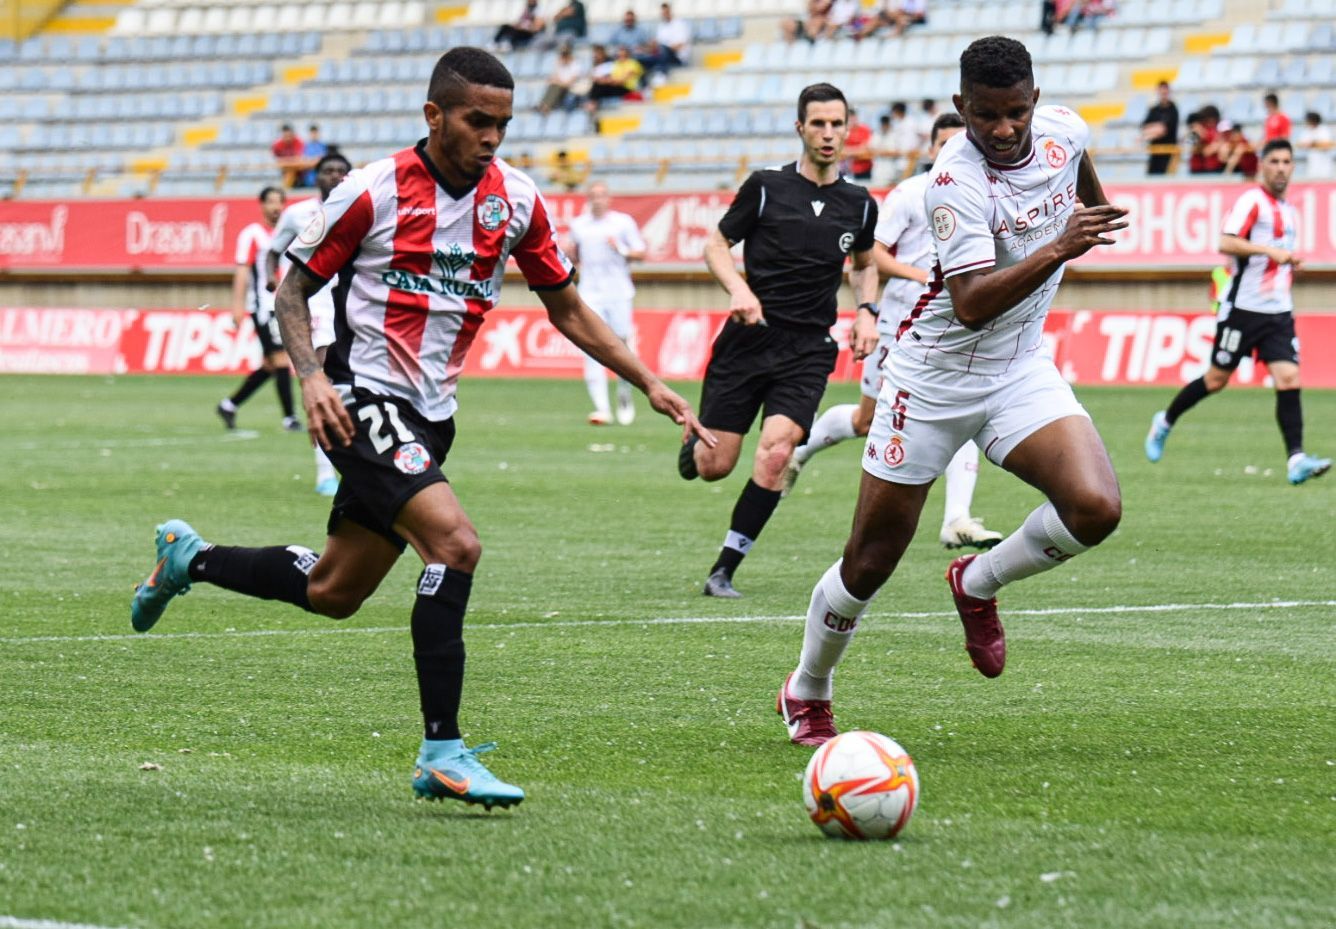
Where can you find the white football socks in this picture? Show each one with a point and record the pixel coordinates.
(596, 380)
(324, 471)
(831, 427)
(962, 473)
(832, 617)
(1041, 543)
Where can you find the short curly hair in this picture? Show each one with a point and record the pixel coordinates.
(995, 61)
(461, 67)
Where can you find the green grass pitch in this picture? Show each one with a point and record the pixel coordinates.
(1161, 751)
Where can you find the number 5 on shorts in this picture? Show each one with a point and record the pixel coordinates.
(899, 410)
(376, 421)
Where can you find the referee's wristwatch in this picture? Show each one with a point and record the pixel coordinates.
(871, 308)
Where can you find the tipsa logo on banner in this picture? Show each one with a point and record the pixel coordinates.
(37, 241)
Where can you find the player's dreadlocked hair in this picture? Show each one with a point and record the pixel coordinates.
(945, 121)
(819, 93)
(460, 67)
(995, 61)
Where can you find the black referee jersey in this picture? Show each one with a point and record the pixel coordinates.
(797, 235)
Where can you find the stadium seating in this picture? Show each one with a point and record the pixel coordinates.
(193, 91)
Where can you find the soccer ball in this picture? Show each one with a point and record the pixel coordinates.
(861, 785)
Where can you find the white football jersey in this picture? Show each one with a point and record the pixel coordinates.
(985, 215)
(293, 220)
(604, 272)
(902, 226)
(1259, 285)
(252, 250)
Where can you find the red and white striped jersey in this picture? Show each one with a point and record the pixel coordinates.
(422, 264)
(252, 251)
(1259, 285)
(988, 215)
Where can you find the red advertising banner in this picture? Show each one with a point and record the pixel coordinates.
(1174, 225)
(1089, 347)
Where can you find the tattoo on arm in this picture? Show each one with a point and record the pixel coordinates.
(293, 310)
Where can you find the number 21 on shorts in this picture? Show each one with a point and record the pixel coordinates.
(376, 422)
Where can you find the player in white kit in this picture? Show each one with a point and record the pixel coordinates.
(1257, 312)
(329, 173)
(1011, 200)
(604, 242)
(903, 252)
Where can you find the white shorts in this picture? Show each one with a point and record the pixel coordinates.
(615, 311)
(322, 317)
(925, 414)
(872, 374)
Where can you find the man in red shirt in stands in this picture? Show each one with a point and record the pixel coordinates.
(288, 144)
(1277, 125)
(858, 148)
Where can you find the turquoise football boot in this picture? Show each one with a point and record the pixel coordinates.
(456, 774)
(1304, 467)
(1159, 431)
(177, 545)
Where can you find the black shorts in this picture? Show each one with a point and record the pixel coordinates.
(1238, 335)
(779, 369)
(394, 454)
(271, 341)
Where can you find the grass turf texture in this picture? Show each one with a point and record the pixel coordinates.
(1142, 768)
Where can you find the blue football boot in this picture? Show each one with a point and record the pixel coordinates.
(177, 545)
(453, 772)
(1302, 467)
(1159, 431)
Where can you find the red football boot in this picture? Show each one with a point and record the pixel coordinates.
(810, 722)
(984, 639)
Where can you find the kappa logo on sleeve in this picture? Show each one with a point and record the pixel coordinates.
(943, 223)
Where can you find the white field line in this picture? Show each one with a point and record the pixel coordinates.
(662, 621)
(237, 435)
(15, 922)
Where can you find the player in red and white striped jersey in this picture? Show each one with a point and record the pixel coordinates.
(419, 243)
(1256, 312)
(251, 297)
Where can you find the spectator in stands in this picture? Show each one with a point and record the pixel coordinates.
(1204, 137)
(290, 155)
(561, 83)
(902, 146)
(671, 46)
(896, 15)
(923, 124)
(1048, 16)
(523, 30)
(883, 152)
(630, 33)
(613, 79)
(858, 149)
(814, 25)
(570, 24)
(1315, 140)
(1160, 127)
(1089, 12)
(1277, 125)
(566, 174)
(1236, 151)
(313, 149)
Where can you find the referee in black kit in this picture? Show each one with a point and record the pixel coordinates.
(799, 222)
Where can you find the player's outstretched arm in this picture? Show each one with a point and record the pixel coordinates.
(576, 321)
(864, 282)
(888, 266)
(240, 284)
(742, 304)
(1238, 247)
(327, 419)
(981, 296)
(1088, 188)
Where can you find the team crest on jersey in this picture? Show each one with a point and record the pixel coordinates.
(314, 230)
(846, 241)
(493, 213)
(1055, 153)
(943, 223)
(894, 454)
(412, 458)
